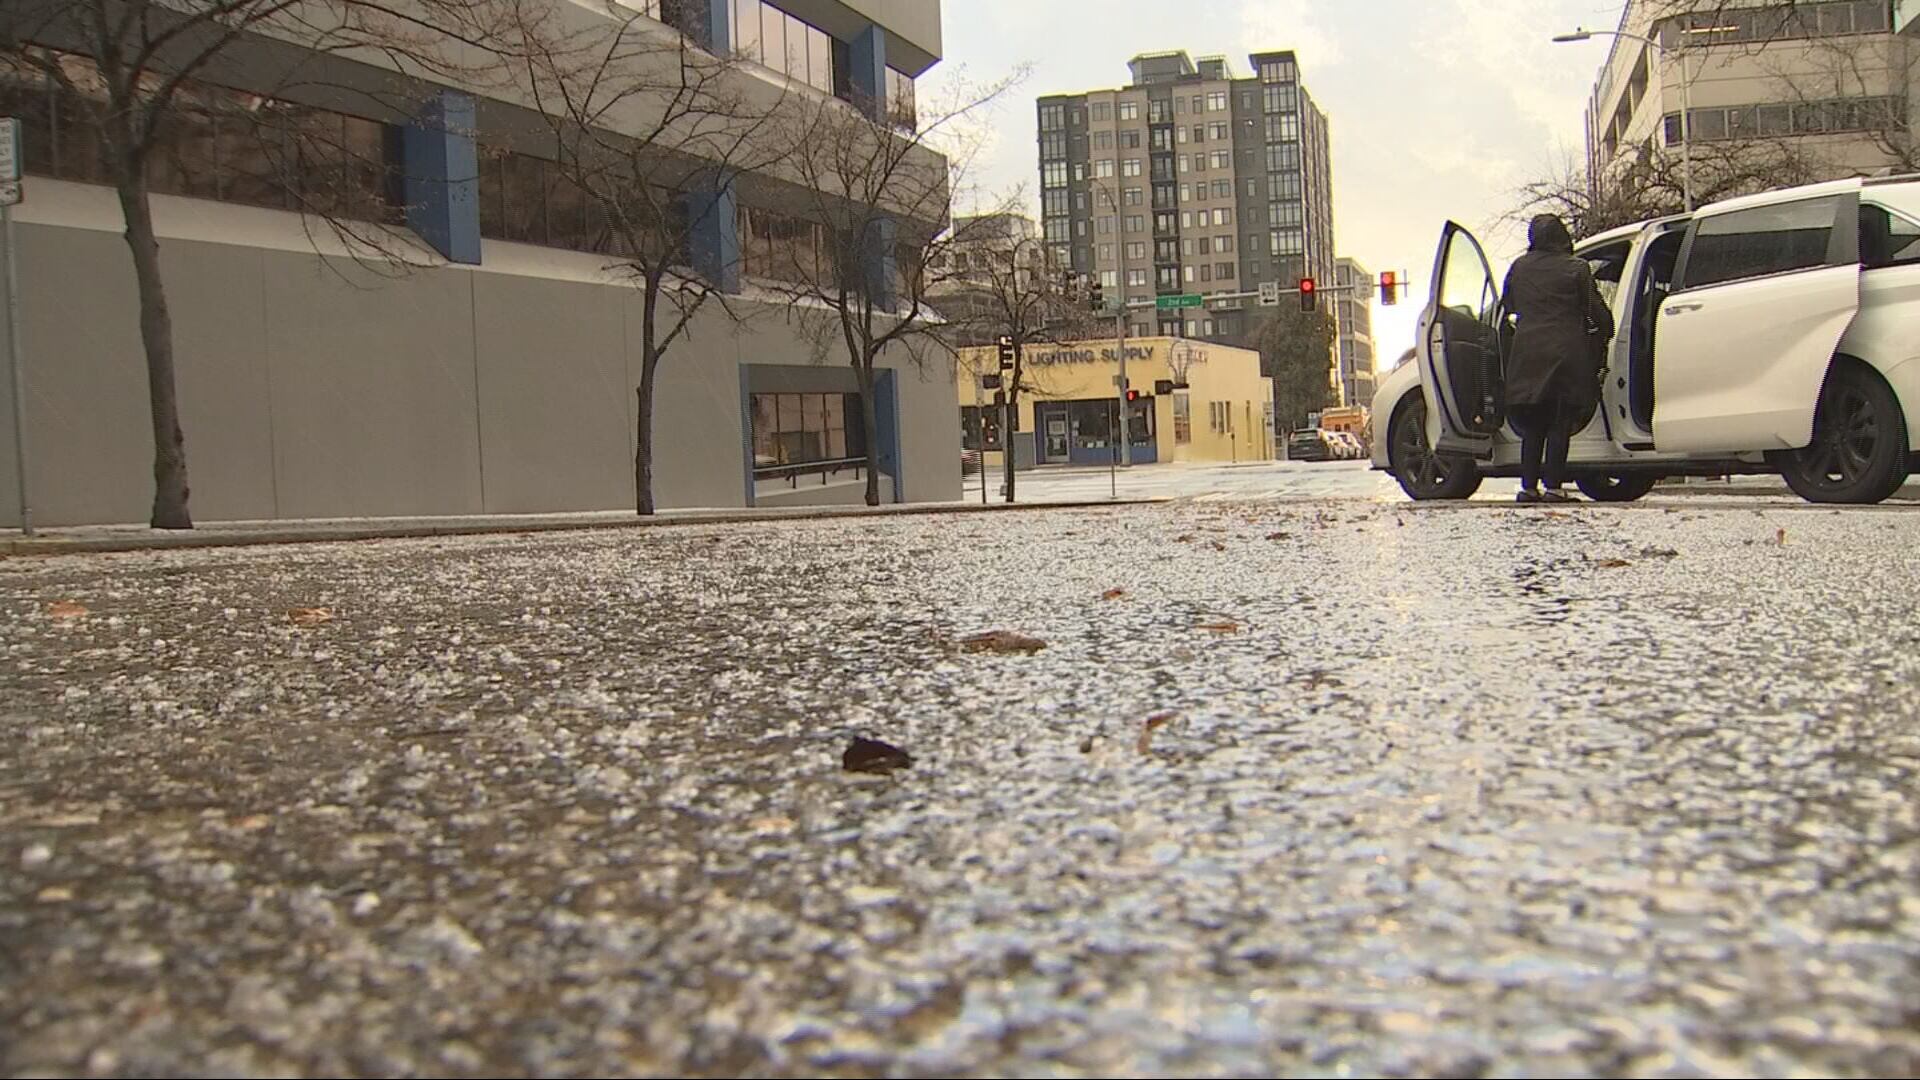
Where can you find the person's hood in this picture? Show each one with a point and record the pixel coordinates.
(1548, 233)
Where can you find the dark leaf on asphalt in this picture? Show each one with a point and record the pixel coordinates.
(309, 616)
(1154, 723)
(1224, 626)
(1218, 546)
(1001, 641)
(1113, 594)
(1612, 564)
(1279, 536)
(1658, 553)
(66, 609)
(1185, 538)
(864, 755)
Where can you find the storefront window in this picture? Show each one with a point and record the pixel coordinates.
(806, 429)
(1182, 419)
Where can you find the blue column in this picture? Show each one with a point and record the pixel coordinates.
(719, 25)
(713, 230)
(869, 77)
(879, 261)
(887, 457)
(441, 176)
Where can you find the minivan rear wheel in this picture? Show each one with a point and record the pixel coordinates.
(1425, 474)
(1859, 448)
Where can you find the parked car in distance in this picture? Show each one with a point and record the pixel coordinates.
(1350, 448)
(1771, 333)
(1311, 444)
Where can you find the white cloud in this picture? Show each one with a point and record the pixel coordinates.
(1288, 24)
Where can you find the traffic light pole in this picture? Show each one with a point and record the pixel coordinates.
(1122, 428)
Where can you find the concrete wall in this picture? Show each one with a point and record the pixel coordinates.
(313, 385)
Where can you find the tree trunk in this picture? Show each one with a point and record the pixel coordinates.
(643, 439)
(870, 424)
(156, 334)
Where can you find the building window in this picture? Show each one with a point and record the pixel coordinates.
(1287, 242)
(1109, 278)
(1130, 140)
(1103, 169)
(772, 38)
(1056, 229)
(1053, 174)
(1130, 167)
(1182, 420)
(1223, 189)
(1136, 250)
(1054, 200)
(1183, 163)
(1105, 225)
(1289, 213)
(1223, 271)
(1103, 140)
(1159, 112)
(1168, 278)
(1136, 223)
(1106, 252)
(1053, 117)
(903, 110)
(805, 429)
(1217, 101)
(980, 427)
(1774, 23)
(1206, 273)
(220, 144)
(1199, 133)
(1217, 131)
(1102, 111)
(1163, 221)
(1221, 159)
(1053, 144)
(1129, 110)
(782, 248)
(1136, 277)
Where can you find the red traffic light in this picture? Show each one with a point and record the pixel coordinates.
(1133, 395)
(1308, 294)
(1389, 288)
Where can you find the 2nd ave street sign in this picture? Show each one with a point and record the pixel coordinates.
(1165, 302)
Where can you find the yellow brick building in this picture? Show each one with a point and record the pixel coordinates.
(1069, 403)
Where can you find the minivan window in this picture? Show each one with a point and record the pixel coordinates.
(1761, 241)
(1887, 239)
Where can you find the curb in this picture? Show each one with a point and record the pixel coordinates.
(413, 529)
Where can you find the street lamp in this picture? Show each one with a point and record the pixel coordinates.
(1686, 97)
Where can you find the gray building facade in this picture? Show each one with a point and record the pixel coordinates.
(1190, 179)
(1354, 305)
(486, 362)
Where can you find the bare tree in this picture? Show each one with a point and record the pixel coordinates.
(1851, 91)
(1019, 293)
(883, 193)
(1651, 183)
(138, 70)
(655, 130)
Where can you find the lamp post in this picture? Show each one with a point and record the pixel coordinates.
(1686, 96)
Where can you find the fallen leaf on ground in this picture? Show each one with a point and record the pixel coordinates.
(1781, 538)
(1218, 546)
(1113, 594)
(1184, 539)
(1658, 553)
(55, 894)
(310, 616)
(1221, 627)
(865, 755)
(1086, 745)
(1279, 536)
(1001, 641)
(1612, 564)
(774, 824)
(1153, 724)
(66, 609)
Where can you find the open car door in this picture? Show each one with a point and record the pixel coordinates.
(1459, 343)
(1762, 298)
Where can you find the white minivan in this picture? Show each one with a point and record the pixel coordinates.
(1774, 333)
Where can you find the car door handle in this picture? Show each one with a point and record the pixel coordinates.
(1682, 309)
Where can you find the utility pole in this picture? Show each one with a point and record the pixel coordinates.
(10, 162)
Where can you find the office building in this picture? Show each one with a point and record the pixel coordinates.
(493, 369)
(1353, 302)
(1192, 179)
(1828, 85)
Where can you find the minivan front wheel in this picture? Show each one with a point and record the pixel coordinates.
(1617, 487)
(1425, 474)
(1859, 449)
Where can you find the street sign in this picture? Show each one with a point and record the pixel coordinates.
(1187, 301)
(1269, 294)
(990, 382)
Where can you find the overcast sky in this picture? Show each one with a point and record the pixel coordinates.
(1439, 108)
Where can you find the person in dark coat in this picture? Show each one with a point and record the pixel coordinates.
(1553, 372)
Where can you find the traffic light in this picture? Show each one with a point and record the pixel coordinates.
(1096, 295)
(1309, 294)
(1133, 396)
(1389, 288)
(1006, 353)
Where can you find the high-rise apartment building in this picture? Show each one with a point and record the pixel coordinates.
(1827, 85)
(1190, 180)
(1354, 305)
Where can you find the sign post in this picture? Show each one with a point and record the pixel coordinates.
(10, 194)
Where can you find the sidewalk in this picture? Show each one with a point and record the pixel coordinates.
(90, 539)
